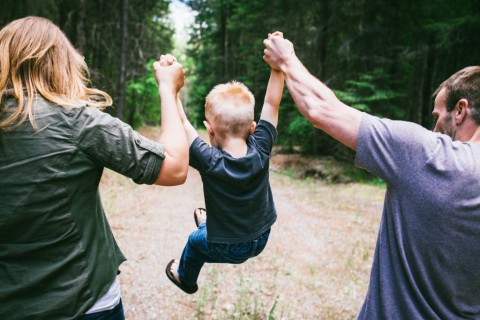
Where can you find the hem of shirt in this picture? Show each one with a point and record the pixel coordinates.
(92, 300)
(247, 238)
(109, 300)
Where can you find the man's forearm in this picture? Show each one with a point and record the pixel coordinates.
(319, 104)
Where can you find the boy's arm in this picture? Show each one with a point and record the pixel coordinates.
(273, 97)
(190, 131)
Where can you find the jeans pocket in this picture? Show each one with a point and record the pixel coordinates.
(232, 253)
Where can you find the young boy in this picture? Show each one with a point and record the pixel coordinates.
(235, 175)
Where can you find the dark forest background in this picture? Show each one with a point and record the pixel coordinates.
(383, 57)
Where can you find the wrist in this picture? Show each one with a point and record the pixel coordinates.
(288, 63)
(167, 89)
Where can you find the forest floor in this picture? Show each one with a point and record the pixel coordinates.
(316, 264)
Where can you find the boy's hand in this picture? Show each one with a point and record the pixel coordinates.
(168, 72)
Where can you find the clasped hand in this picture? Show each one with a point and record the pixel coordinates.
(168, 72)
(277, 50)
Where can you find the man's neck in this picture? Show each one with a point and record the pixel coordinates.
(475, 136)
(469, 131)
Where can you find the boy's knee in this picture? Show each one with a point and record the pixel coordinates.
(197, 237)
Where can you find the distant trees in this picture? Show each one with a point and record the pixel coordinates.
(382, 57)
(118, 38)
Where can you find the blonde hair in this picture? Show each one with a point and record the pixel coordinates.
(230, 107)
(37, 58)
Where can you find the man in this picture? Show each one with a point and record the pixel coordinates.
(428, 247)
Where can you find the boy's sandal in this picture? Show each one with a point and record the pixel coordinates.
(171, 277)
(198, 220)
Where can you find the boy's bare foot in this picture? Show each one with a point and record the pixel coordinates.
(172, 273)
(174, 270)
(200, 216)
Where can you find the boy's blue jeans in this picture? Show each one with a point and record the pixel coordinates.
(198, 251)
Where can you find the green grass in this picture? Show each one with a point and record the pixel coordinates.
(247, 304)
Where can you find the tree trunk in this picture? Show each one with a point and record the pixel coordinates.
(429, 86)
(131, 115)
(322, 20)
(123, 62)
(322, 23)
(81, 37)
(223, 25)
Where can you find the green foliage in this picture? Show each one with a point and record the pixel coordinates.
(93, 26)
(226, 44)
(298, 131)
(372, 93)
(384, 61)
(142, 96)
(384, 58)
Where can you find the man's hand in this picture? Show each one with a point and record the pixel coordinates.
(168, 72)
(277, 50)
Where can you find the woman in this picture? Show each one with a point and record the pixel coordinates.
(58, 256)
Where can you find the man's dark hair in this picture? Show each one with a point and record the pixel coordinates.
(464, 84)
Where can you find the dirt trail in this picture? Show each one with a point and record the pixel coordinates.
(315, 266)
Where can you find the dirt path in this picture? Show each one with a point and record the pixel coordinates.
(315, 266)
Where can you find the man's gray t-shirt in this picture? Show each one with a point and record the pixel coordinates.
(426, 262)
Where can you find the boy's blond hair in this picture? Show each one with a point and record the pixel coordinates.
(230, 107)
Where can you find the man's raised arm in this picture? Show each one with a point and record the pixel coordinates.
(315, 100)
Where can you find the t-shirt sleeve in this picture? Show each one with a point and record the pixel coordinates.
(202, 155)
(393, 149)
(264, 136)
(113, 144)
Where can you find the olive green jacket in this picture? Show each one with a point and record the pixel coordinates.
(57, 251)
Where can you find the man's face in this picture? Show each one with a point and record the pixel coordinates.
(442, 118)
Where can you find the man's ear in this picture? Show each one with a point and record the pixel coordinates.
(209, 128)
(461, 110)
(252, 127)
